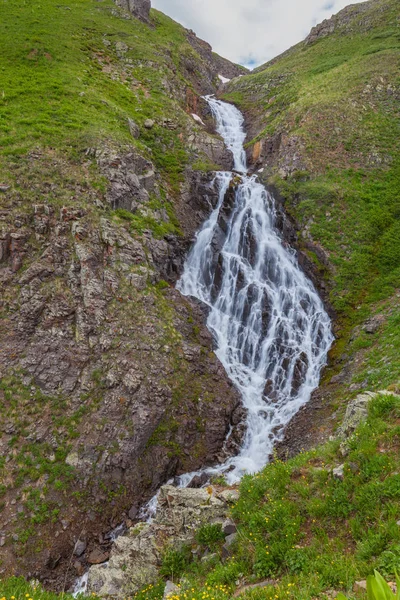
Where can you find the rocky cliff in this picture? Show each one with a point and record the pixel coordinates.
(109, 384)
(139, 8)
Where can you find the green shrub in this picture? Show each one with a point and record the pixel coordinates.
(175, 562)
(210, 535)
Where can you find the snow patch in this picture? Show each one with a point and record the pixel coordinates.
(198, 119)
(223, 79)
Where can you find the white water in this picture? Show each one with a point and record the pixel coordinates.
(271, 330)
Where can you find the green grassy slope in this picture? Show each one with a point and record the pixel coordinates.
(324, 123)
(63, 85)
(338, 99)
(72, 74)
(303, 532)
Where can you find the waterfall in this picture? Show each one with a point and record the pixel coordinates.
(271, 330)
(270, 327)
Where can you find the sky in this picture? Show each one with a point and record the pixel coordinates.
(250, 32)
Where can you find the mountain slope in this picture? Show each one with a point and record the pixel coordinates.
(323, 124)
(109, 385)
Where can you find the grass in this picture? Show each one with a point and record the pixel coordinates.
(17, 588)
(359, 209)
(334, 105)
(67, 85)
(305, 530)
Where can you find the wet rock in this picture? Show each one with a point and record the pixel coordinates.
(199, 481)
(213, 148)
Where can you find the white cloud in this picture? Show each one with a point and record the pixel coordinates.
(251, 31)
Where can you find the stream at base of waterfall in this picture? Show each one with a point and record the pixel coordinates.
(271, 331)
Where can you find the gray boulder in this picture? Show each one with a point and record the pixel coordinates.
(356, 413)
(170, 590)
(338, 472)
(139, 8)
(135, 558)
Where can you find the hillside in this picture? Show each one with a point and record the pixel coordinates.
(109, 385)
(323, 125)
(108, 381)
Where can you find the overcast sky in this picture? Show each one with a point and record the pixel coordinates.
(250, 32)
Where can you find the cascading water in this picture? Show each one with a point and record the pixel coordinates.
(271, 330)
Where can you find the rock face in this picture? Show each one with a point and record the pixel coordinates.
(139, 8)
(135, 558)
(124, 367)
(219, 65)
(356, 413)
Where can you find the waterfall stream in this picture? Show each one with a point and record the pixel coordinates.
(271, 330)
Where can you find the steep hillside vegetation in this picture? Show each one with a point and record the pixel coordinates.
(108, 381)
(307, 528)
(323, 122)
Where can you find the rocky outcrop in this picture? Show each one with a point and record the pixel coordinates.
(356, 414)
(136, 557)
(219, 65)
(139, 8)
(356, 17)
(280, 153)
